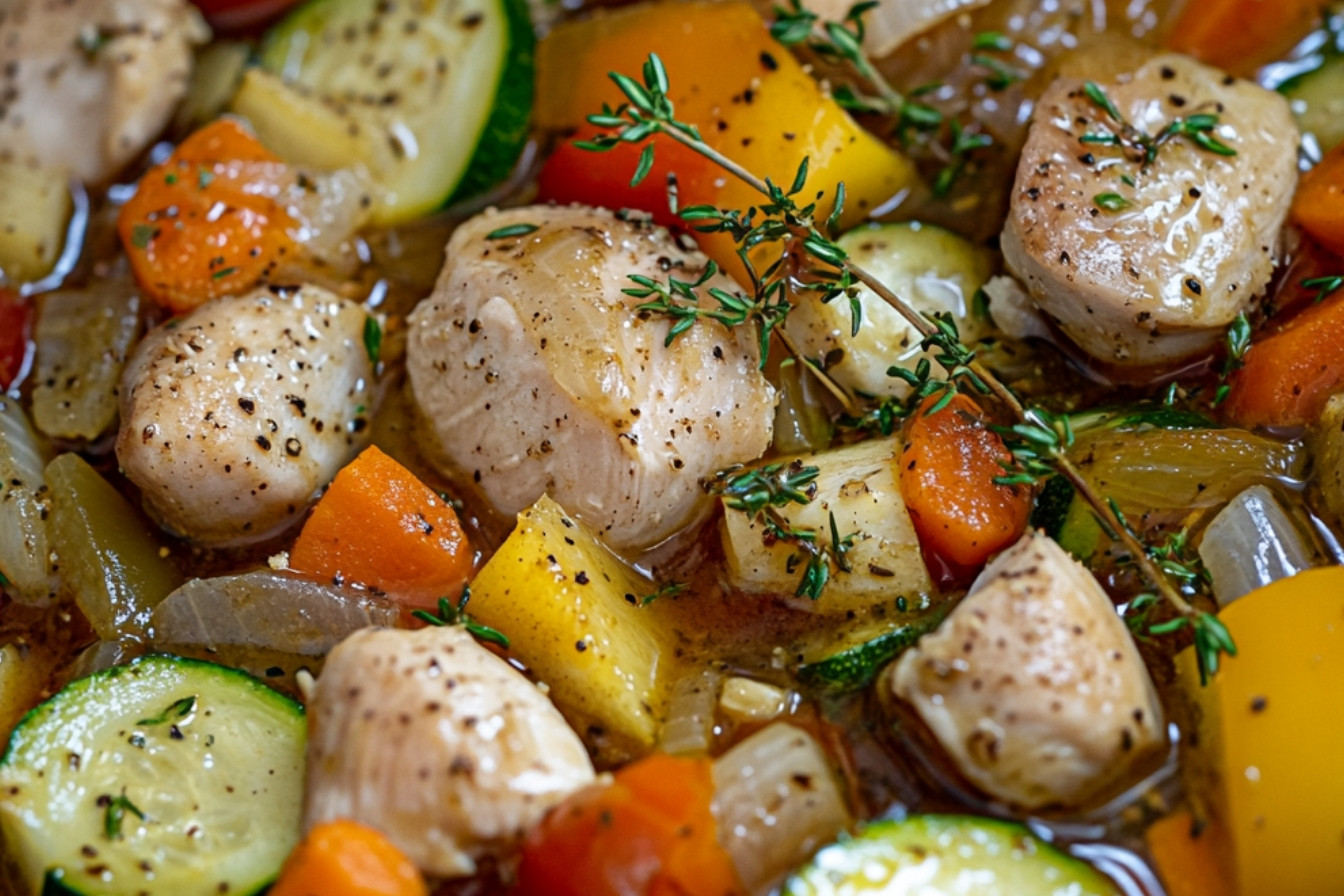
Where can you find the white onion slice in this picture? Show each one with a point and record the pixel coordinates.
(689, 729)
(777, 802)
(1251, 543)
(267, 610)
(25, 553)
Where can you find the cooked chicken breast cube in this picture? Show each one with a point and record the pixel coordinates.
(535, 374)
(1033, 685)
(86, 85)
(1154, 273)
(435, 741)
(234, 416)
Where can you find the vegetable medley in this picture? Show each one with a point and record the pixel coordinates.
(692, 447)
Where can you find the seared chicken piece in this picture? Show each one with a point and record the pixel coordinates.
(86, 85)
(235, 415)
(1159, 279)
(535, 374)
(1033, 685)
(436, 742)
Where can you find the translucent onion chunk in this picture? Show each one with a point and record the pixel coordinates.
(268, 610)
(25, 554)
(1251, 543)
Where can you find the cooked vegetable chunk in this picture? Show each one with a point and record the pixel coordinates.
(345, 858)
(574, 614)
(1032, 685)
(166, 777)
(235, 415)
(947, 855)
(535, 374)
(89, 83)
(435, 741)
(1154, 272)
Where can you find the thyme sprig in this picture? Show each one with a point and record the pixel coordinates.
(1238, 340)
(1323, 285)
(1038, 440)
(843, 42)
(114, 813)
(456, 614)
(1199, 128)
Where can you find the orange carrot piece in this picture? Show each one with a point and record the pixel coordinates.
(344, 858)
(1188, 860)
(650, 831)
(210, 221)
(380, 526)
(947, 471)
(1239, 35)
(1318, 206)
(1289, 375)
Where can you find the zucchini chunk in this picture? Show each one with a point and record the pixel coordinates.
(164, 776)
(433, 98)
(947, 855)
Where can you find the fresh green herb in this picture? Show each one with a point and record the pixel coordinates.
(774, 485)
(142, 235)
(179, 709)
(1111, 202)
(170, 178)
(4, 582)
(1325, 285)
(223, 272)
(992, 41)
(1001, 74)
(1038, 440)
(450, 614)
(1139, 144)
(204, 177)
(1212, 640)
(964, 142)
(114, 814)
(1238, 340)
(373, 339)
(670, 589)
(512, 230)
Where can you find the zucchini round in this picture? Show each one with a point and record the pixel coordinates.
(853, 667)
(432, 97)
(947, 855)
(164, 776)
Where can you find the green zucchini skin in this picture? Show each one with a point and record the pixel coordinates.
(163, 776)
(947, 855)
(441, 91)
(856, 667)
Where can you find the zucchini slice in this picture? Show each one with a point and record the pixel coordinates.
(856, 663)
(947, 855)
(433, 96)
(164, 776)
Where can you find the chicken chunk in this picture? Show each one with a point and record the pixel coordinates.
(1033, 685)
(85, 85)
(1155, 275)
(535, 373)
(438, 743)
(234, 416)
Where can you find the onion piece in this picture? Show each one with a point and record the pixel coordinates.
(108, 553)
(777, 802)
(267, 610)
(893, 22)
(1251, 543)
(25, 553)
(1178, 469)
(689, 729)
(83, 338)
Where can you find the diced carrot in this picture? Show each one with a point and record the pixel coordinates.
(1187, 857)
(1318, 206)
(650, 831)
(380, 526)
(1239, 35)
(948, 467)
(343, 858)
(210, 221)
(1289, 375)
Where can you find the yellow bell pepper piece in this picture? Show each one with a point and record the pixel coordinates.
(749, 97)
(1271, 735)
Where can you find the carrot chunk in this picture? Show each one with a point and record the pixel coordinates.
(343, 858)
(948, 467)
(1289, 375)
(1318, 206)
(210, 221)
(1238, 35)
(650, 830)
(380, 526)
